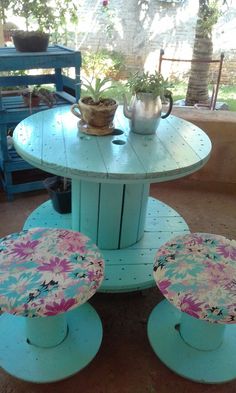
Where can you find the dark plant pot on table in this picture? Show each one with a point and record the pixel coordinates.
(30, 41)
(59, 190)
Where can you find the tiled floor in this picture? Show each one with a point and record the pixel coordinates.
(126, 362)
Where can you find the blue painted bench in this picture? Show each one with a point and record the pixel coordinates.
(13, 109)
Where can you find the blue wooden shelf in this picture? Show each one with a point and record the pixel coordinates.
(13, 109)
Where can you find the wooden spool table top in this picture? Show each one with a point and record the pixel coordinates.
(51, 141)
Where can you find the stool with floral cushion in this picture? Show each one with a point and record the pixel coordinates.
(48, 331)
(193, 331)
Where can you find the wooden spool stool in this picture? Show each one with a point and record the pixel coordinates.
(48, 330)
(193, 332)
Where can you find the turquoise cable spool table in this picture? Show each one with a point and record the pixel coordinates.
(111, 176)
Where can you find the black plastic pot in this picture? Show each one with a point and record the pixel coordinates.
(61, 200)
(30, 41)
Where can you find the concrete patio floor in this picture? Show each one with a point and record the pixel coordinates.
(125, 362)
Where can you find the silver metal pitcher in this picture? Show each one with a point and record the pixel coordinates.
(144, 112)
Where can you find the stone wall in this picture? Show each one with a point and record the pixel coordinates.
(220, 126)
(140, 28)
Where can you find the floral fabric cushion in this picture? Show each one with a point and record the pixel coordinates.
(46, 271)
(197, 273)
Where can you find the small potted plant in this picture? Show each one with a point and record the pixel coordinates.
(59, 190)
(38, 19)
(30, 41)
(144, 111)
(33, 97)
(95, 110)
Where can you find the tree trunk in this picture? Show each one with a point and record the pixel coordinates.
(1, 34)
(197, 90)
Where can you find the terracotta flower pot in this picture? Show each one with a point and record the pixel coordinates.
(31, 100)
(95, 115)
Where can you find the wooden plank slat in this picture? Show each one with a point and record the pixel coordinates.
(54, 154)
(184, 154)
(119, 157)
(75, 204)
(110, 210)
(201, 142)
(89, 209)
(134, 208)
(29, 141)
(153, 154)
(59, 57)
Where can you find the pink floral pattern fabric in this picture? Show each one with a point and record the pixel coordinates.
(197, 273)
(46, 271)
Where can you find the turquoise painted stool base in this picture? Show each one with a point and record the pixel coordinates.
(205, 366)
(42, 365)
(128, 269)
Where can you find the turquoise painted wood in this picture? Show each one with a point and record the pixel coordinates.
(13, 109)
(75, 205)
(201, 334)
(46, 332)
(143, 211)
(130, 268)
(97, 206)
(110, 184)
(134, 209)
(215, 365)
(150, 159)
(114, 214)
(88, 214)
(110, 215)
(41, 365)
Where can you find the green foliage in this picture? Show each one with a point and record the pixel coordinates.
(97, 87)
(44, 93)
(208, 15)
(4, 5)
(103, 62)
(148, 83)
(118, 91)
(108, 23)
(209, 12)
(41, 12)
(226, 94)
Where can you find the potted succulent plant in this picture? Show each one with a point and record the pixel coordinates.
(95, 110)
(144, 111)
(59, 190)
(32, 97)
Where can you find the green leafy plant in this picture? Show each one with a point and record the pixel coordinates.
(96, 110)
(42, 13)
(103, 62)
(44, 94)
(148, 83)
(97, 87)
